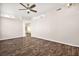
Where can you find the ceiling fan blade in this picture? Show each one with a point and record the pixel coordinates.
(23, 5)
(33, 10)
(33, 6)
(22, 9)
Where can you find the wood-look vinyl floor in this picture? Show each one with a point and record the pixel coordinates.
(35, 47)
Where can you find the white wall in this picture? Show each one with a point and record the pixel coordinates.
(11, 28)
(0, 28)
(0, 22)
(60, 26)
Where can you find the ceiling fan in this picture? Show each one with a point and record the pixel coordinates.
(28, 8)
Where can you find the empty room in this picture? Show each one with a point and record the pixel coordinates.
(39, 29)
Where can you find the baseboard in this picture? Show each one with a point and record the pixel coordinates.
(73, 45)
(12, 38)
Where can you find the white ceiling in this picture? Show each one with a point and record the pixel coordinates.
(12, 9)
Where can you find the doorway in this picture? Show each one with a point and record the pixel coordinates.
(28, 29)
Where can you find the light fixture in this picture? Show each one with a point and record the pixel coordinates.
(28, 11)
(69, 4)
(59, 9)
